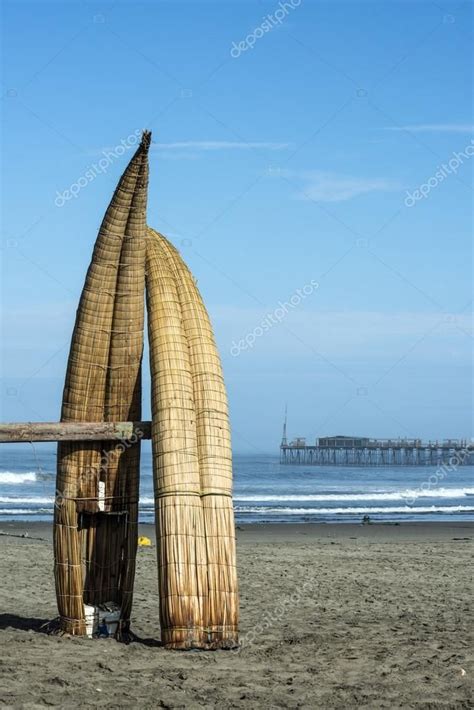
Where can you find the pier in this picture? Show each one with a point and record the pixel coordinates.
(361, 451)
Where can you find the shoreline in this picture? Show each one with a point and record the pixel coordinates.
(290, 532)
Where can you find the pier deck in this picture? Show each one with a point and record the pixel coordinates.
(357, 451)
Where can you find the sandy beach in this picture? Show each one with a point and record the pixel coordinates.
(332, 616)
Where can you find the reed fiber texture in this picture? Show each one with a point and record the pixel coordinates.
(207, 431)
(95, 525)
(181, 543)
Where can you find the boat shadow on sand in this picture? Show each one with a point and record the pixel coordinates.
(23, 623)
(50, 626)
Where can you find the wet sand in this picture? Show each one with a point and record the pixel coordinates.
(332, 616)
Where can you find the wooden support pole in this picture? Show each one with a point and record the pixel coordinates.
(74, 431)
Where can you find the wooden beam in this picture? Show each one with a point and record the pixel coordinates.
(74, 431)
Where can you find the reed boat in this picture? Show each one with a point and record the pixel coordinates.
(96, 506)
(192, 461)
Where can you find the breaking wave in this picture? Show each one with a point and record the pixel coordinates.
(408, 494)
(13, 478)
(357, 511)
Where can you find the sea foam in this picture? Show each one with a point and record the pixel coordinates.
(14, 478)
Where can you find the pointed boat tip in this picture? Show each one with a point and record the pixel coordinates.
(146, 140)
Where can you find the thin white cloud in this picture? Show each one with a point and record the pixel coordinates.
(219, 145)
(331, 187)
(435, 128)
(190, 150)
(178, 155)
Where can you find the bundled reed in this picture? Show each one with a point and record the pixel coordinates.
(95, 532)
(207, 400)
(97, 486)
(182, 569)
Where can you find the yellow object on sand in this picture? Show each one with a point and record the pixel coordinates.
(144, 541)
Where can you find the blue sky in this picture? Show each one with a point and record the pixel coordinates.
(294, 161)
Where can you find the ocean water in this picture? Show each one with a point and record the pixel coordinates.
(265, 491)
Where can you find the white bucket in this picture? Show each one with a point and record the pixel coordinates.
(95, 615)
(92, 619)
(112, 619)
